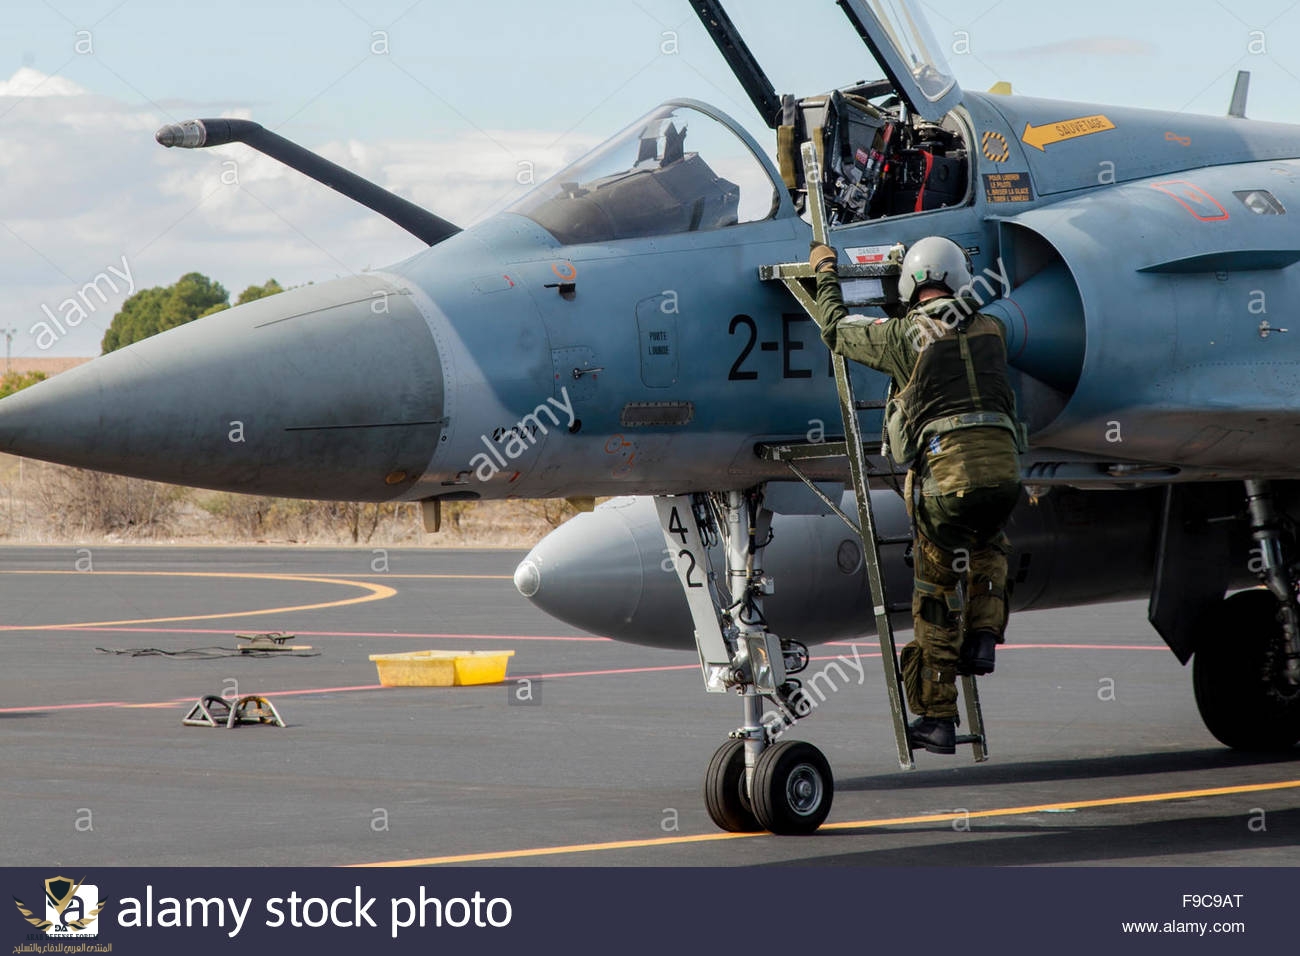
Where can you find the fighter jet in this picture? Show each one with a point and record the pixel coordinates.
(617, 332)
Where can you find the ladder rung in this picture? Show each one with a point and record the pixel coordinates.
(802, 451)
(961, 740)
(846, 270)
(806, 451)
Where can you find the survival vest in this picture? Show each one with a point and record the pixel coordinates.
(959, 380)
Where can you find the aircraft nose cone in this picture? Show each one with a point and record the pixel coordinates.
(330, 391)
(603, 571)
(528, 580)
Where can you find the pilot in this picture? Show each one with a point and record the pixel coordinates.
(952, 415)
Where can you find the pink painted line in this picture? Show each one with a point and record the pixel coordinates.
(326, 690)
(183, 700)
(621, 670)
(666, 667)
(1082, 647)
(555, 676)
(322, 690)
(228, 631)
(837, 657)
(37, 710)
(1010, 646)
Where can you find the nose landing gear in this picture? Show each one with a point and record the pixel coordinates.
(753, 782)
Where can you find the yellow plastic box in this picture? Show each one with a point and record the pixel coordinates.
(441, 668)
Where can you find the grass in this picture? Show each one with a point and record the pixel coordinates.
(49, 504)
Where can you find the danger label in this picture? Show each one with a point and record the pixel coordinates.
(868, 255)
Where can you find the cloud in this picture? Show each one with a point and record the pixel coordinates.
(1087, 46)
(29, 82)
(84, 183)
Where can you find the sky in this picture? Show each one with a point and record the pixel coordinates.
(447, 102)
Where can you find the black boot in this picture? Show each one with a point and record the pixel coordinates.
(977, 652)
(936, 734)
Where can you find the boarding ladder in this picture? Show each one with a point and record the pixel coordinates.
(797, 277)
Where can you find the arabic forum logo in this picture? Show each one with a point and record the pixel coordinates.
(70, 908)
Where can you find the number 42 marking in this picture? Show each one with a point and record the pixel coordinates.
(676, 527)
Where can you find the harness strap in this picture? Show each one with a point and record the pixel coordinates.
(970, 370)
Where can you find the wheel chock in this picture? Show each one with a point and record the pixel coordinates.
(215, 711)
(254, 710)
(207, 712)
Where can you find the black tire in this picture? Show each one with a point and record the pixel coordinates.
(1244, 707)
(724, 790)
(793, 788)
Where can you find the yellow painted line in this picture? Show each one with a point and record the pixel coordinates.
(846, 825)
(375, 592)
(433, 577)
(1074, 805)
(561, 850)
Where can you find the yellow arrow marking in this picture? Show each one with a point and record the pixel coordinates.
(1040, 137)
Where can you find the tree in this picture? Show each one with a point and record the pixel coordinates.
(155, 310)
(137, 319)
(17, 381)
(269, 287)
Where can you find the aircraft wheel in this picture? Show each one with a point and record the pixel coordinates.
(793, 788)
(1242, 705)
(724, 790)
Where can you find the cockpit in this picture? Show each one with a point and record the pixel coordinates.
(878, 160)
(675, 170)
(887, 148)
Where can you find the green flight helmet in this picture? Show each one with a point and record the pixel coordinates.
(934, 260)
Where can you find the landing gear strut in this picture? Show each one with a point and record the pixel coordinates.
(753, 782)
(1246, 671)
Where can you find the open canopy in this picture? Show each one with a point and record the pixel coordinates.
(677, 169)
(900, 38)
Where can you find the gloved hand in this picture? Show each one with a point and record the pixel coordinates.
(822, 258)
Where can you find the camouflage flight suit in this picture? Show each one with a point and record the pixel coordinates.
(962, 418)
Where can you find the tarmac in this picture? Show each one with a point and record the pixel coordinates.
(1098, 755)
